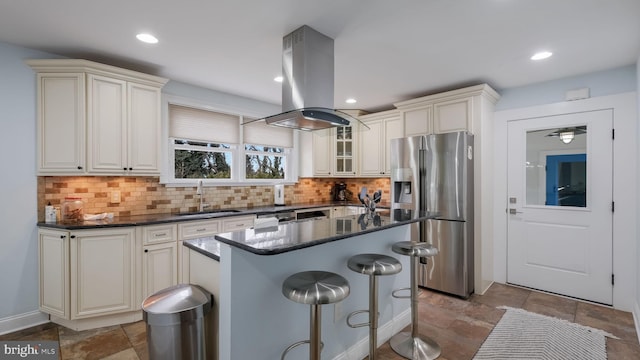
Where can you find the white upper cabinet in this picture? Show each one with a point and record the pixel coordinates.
(418, 121)
(365, 152)
(107, 117)
(61, 123)
(374, 143)
(120, 110)
(144, 129)
(456, 110)
(322, 152)
(452, 115)
(345, 156)
(334, 152)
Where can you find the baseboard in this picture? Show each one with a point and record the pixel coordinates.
(22, 321)
(360, 349)
(99, 321)
(636, 317)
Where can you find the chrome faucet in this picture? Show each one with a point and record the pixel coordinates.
(200, 191)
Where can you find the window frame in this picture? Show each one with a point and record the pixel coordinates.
(238, 176)
(230, 150)
(286, 152)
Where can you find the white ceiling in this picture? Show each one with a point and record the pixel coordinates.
(385, 51)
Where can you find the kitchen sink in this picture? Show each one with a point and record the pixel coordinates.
(210, 213)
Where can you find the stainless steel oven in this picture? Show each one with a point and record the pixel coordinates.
(312, 214)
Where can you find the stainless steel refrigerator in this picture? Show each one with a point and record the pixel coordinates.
(434, 174)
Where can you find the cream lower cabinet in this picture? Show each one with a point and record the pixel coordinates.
(102, 272)
(205, 272)
(159, 257)
(159, 267)
(87, 273)
(192, 230)
(205, 228)
(53, 256)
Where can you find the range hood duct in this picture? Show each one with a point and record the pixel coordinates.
(307, 87)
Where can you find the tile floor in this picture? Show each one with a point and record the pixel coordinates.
(459, 326)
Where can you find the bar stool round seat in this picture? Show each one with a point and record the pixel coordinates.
(373, 265)
(314, 288)
(419, 249)
(411, 345)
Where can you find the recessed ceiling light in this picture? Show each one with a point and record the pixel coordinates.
(147, 38)
(351, 101)
(278, 79)
(541, 55)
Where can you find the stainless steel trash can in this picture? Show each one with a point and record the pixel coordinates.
(175, 322)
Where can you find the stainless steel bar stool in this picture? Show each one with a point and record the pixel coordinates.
(373, 265)
(409, 344)
(314, 288)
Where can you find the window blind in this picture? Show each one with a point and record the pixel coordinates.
(259, 133)
(197, 124)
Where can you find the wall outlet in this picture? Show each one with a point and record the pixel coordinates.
(115, 197)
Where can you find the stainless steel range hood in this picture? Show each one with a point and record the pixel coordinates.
(307, 87)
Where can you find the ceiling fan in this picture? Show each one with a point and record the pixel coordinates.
(567, 134)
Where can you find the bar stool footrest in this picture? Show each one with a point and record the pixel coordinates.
(357, 312)
(296, 344)
(394, 293)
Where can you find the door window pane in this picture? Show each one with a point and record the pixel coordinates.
(556, 167)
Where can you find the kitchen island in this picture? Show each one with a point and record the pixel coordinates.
(257, 322)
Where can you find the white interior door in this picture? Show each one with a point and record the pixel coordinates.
(560, 205)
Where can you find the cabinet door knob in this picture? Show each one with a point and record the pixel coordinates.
(130, 169)
(146, 250)
(63, 236)
(79, 167)
(72, 236)
(125, 169)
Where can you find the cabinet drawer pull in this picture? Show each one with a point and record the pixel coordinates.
(201, 230)
(158, 235)
(239, 225)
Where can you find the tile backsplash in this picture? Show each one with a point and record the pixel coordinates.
(145, 195)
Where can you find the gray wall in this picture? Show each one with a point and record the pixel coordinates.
(601, 83)
(18, 185)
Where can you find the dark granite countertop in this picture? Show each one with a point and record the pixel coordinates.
(302, 234)
(207, 246)
(152, 219)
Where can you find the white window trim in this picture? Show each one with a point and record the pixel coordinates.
(167, 156)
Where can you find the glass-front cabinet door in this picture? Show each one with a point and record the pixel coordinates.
(344, 145)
